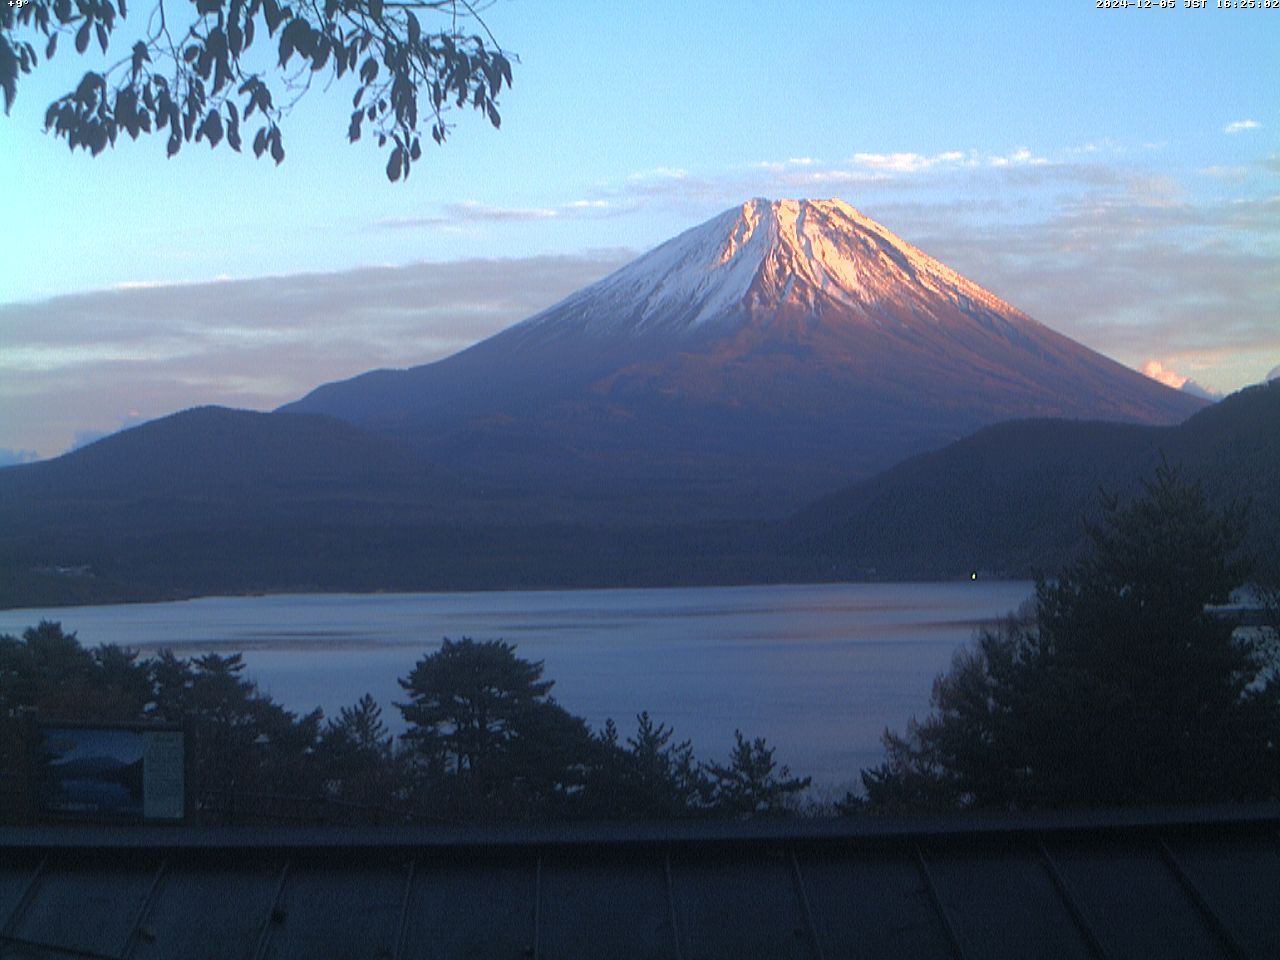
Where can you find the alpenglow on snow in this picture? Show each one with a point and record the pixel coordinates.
(817, 253)
(771, 354)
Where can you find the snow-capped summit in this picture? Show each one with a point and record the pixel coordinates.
(775, 352)
(816, 254)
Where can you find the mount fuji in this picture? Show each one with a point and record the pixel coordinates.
(750, 364)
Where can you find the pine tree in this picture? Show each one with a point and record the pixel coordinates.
(1125, 687)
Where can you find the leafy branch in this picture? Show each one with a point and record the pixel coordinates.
(205, 85)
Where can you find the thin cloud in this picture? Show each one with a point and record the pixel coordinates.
(1196, 390)
(1120, 259)
(1019, 157)
(469, 213)
(1233, 174)
(870, 179)
(406, 223)
(1113, 278)
(893, 162)
(672, 187)
(1127, 262)
(457, 214)
(83, 438)
(905, 162)
(670, 173)
(1239, 126)
(823, 178)
(778, 166)
(11, 458)
(88, 361)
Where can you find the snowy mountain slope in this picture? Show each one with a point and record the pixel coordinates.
(818, 254)
(764, 357)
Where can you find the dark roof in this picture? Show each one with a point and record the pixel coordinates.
(1191, 882)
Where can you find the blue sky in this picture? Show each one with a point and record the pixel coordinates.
(1115, 173)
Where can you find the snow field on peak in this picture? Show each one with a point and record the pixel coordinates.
(787, 249)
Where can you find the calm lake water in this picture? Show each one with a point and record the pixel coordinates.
(819, 670)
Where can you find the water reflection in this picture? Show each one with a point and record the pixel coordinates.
(820, 670)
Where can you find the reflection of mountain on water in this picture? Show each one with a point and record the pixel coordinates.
(88, 766)
(104, 783)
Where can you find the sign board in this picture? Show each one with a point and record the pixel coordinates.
(110, 772)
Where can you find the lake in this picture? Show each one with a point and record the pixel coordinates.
(818, 670)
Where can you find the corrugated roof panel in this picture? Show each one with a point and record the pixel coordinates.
(738, 908)
(336, 912)
(1191, 882)
(1133, 902)
(872, 906)
(15, 879)
(19, 952)
(1240, 881)
(204, 912)
(464, 911)
(1003, 903)
(610, 908)
(91, 907)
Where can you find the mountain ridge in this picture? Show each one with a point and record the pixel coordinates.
(588, 446)
(806, 343)
(1013, 498)
(752, 256)
(1008, 500)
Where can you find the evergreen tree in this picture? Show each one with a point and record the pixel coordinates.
(1125, 687)
(241, 742)
(752, 784)
(486, 735)
(467, 701)
(650, 777)
(355, 756)
(48, 669)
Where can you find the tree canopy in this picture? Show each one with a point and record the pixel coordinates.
(194, 73)
(484, 740)
(1122, 686)
(471, 702)
(752, 784)
(650, 776)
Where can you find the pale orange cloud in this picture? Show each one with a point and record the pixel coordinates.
(1156, 371)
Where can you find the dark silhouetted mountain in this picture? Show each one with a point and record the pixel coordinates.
(90, 767)
(657, 427)
(214, 453)
(742, 368)
(1012, 499)
(168, 503)
(229, 501)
